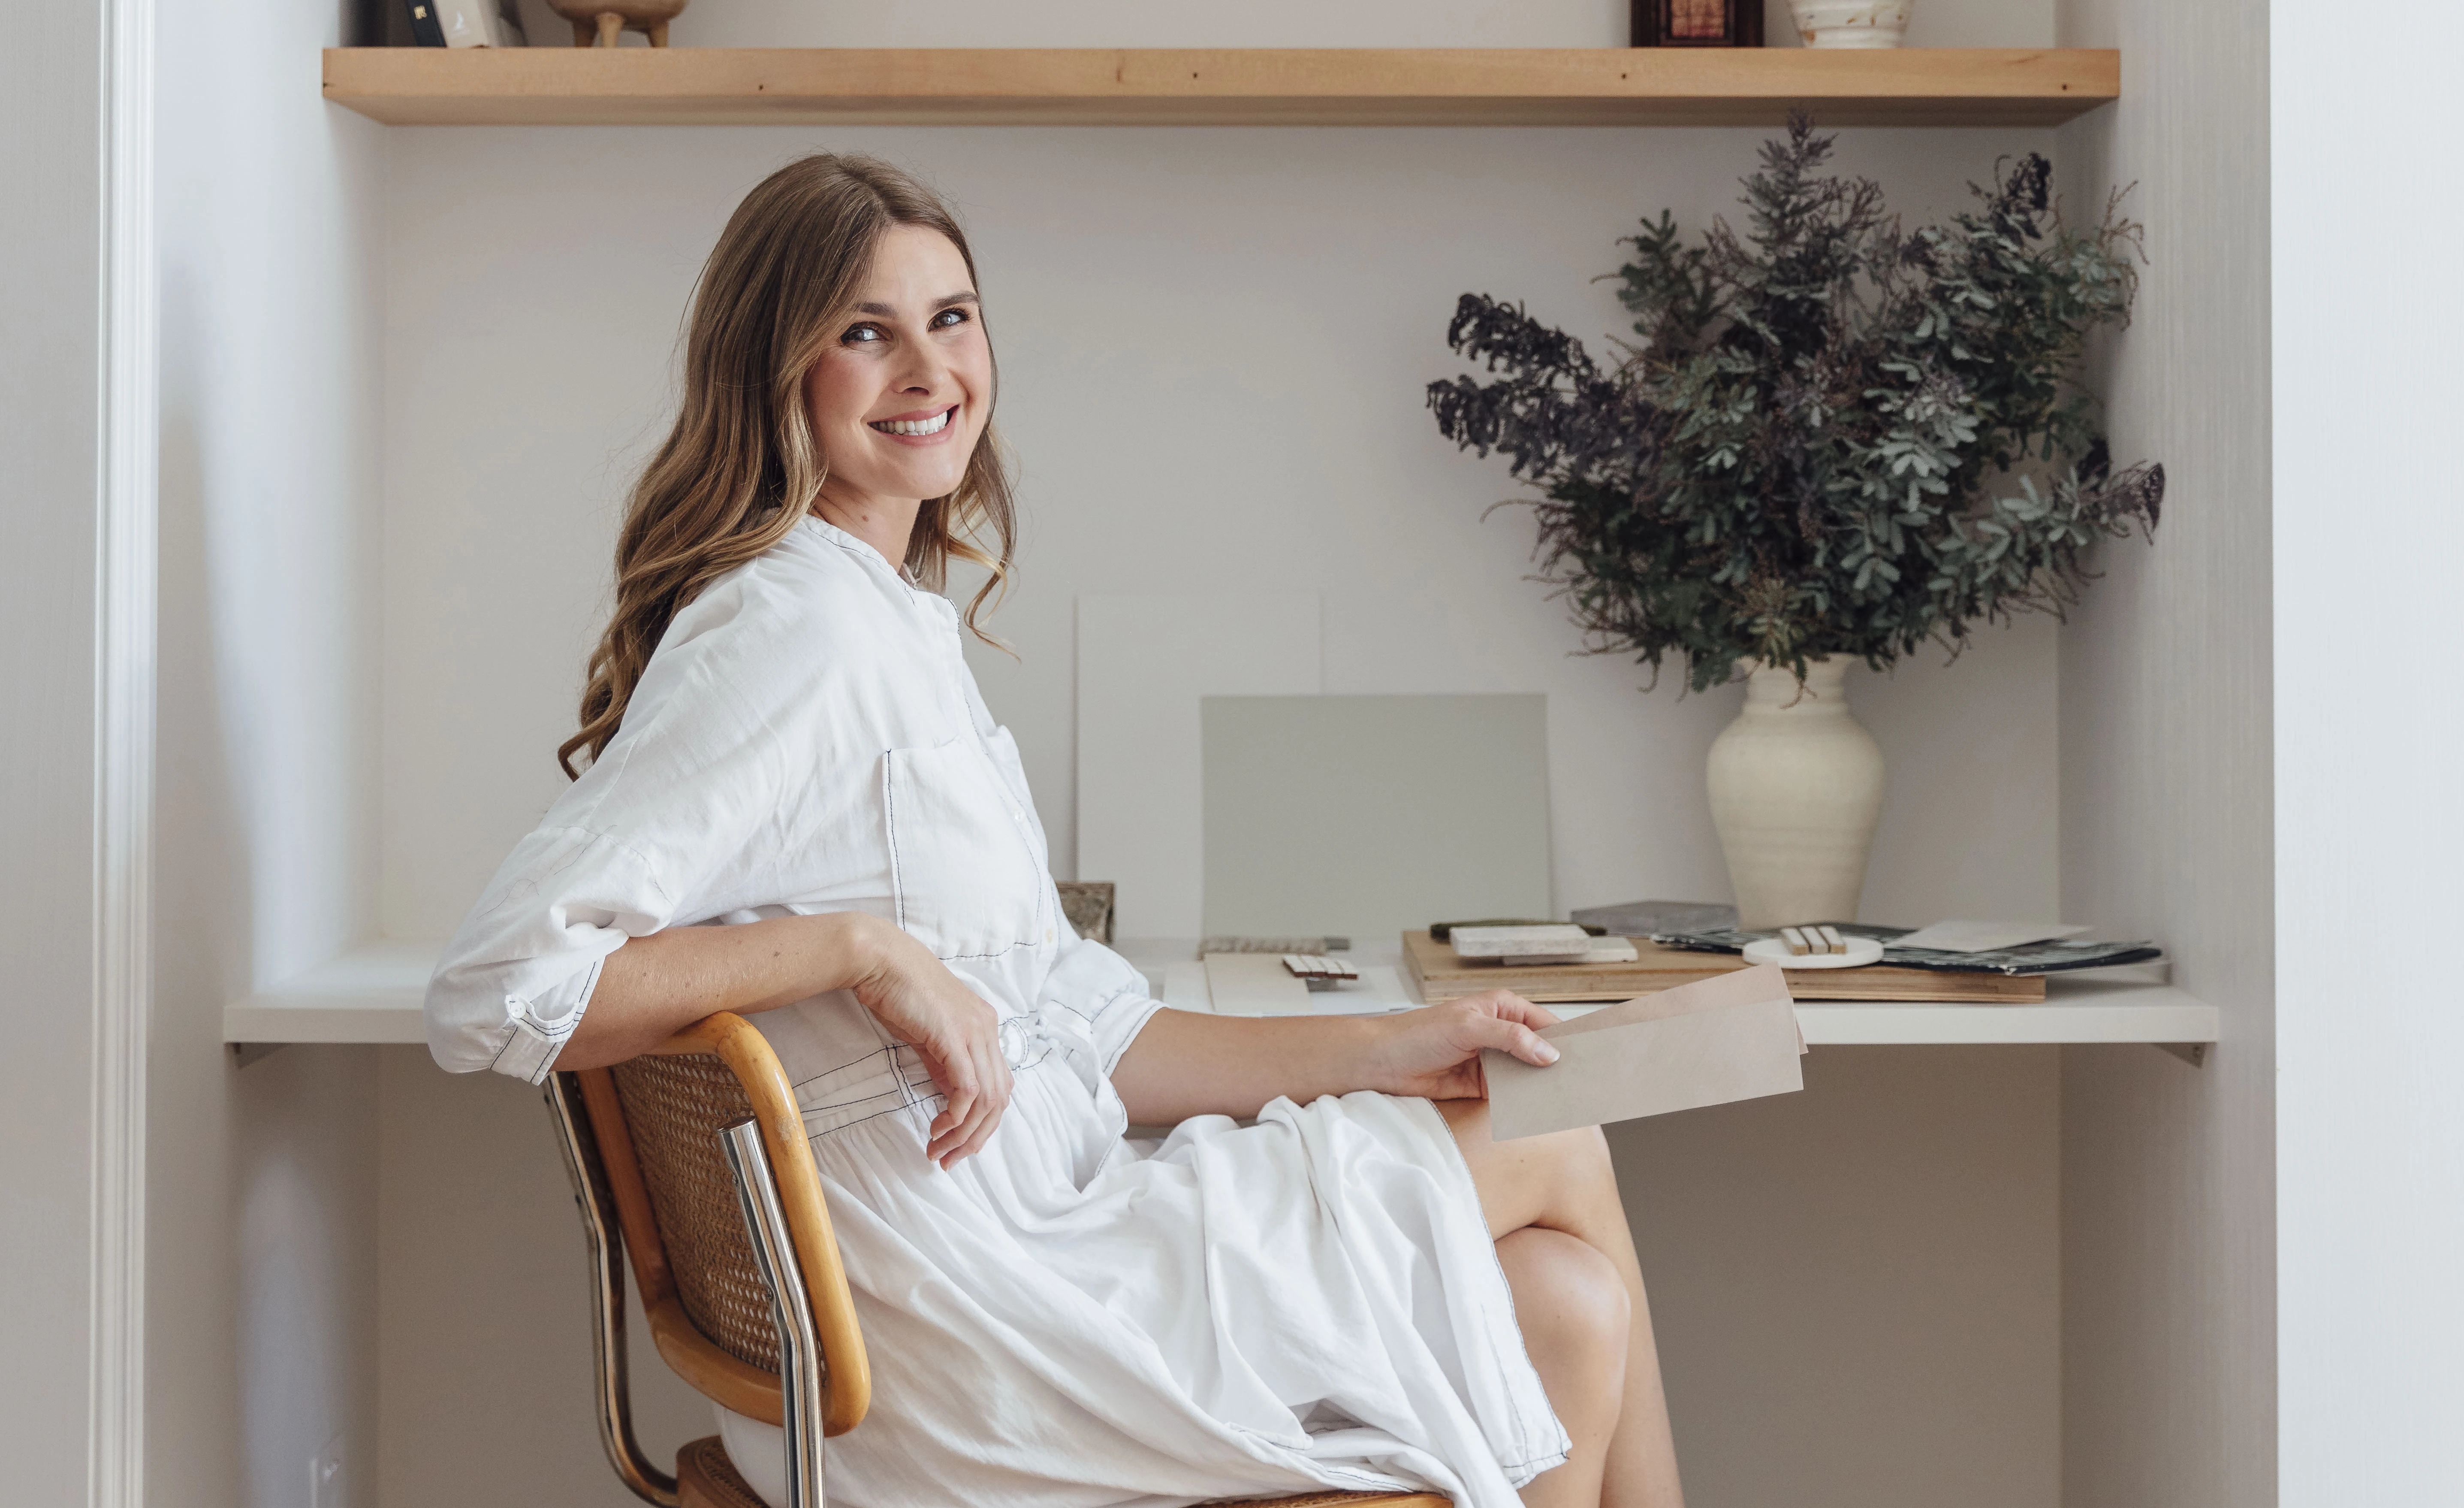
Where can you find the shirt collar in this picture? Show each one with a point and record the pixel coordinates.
(865, 552)
(848, 541)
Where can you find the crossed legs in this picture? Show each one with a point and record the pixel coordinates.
(1552, 1207)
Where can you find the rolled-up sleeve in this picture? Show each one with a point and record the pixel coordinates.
(1105, 995)
(515, 980)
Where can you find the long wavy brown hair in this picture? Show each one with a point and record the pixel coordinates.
(740, 468)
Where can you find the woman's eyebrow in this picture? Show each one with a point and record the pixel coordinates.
(946, 301)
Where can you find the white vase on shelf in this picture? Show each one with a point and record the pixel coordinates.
(1797, 788)
(1850, 23)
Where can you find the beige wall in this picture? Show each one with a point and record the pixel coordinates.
(484, 1322)
(2169, 1274)
(1214, 345)
(1857, 1288)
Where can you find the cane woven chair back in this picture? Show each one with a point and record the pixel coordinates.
(674, 1108)
(656, 1120)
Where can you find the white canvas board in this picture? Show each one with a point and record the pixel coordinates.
(1362, 816)
(1144, 661)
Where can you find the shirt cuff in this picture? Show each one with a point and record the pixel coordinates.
(532, 1044)
(1115, 1036)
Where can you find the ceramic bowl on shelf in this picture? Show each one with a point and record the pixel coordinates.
(596, 22)
(1850, 23)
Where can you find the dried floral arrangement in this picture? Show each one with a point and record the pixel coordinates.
(1834, 436)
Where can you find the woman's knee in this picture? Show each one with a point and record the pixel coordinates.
(1570, 1300)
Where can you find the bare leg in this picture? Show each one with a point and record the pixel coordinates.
(1572, 1308)
(1563, 1183)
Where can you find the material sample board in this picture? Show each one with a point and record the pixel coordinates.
(1361, 816)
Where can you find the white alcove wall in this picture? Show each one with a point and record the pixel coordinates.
(261, 1195)
(2169, 1273)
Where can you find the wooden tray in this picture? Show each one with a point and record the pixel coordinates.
(1437, 976)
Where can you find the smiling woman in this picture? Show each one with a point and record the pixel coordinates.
(838, 286)
(797, 807)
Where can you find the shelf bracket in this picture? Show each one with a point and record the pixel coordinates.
(2194, 1054)
(243, 1053)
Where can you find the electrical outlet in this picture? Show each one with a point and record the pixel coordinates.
(329, 1476)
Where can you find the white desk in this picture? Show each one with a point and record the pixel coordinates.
(372, 993)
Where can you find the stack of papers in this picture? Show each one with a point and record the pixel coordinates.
(2058, 953)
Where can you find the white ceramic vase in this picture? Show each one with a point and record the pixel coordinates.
(1850, 23)
(1796, 786)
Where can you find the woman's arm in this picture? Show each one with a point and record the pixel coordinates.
(655, 986)
(1185, 1064)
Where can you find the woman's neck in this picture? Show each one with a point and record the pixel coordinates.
(886, 523)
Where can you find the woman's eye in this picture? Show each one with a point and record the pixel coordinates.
(948, 318)
(862, 334)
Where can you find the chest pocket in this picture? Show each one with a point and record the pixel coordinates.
(963, 855)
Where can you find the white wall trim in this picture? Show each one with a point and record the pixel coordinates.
(124, 657)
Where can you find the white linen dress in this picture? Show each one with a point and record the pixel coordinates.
(1067, 1318)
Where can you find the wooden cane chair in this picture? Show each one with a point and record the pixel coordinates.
(693, 1161)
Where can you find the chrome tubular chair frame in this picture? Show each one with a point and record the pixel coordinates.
(606, 1243)
(799, 1346)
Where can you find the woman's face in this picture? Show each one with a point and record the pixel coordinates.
(898, 400)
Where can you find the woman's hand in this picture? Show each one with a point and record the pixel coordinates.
(923, 1005)
(1434, 1052)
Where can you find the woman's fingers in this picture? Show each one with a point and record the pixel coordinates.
(957, 1102)
(1513, 1007)
(976, 1089)
(1512, 1036)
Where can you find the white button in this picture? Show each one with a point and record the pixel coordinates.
(1048, 934)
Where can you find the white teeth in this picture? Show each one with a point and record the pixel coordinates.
(931, 425)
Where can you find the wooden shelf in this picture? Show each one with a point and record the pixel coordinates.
(1295, 86)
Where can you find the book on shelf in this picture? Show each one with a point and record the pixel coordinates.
(465, 23)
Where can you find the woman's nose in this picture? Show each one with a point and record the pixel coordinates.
(923, 370)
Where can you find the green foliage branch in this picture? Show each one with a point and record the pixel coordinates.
(1834, 436)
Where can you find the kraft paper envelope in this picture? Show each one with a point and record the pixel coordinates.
(1733, 1037)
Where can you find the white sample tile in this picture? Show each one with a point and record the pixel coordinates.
(1144, 661)
(1984, 937)
(1254, 984)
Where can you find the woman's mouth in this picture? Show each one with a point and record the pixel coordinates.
(917, 429)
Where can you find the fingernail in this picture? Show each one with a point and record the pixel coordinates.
(1547, 1054)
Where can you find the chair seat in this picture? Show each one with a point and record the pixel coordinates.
(706, 1479)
